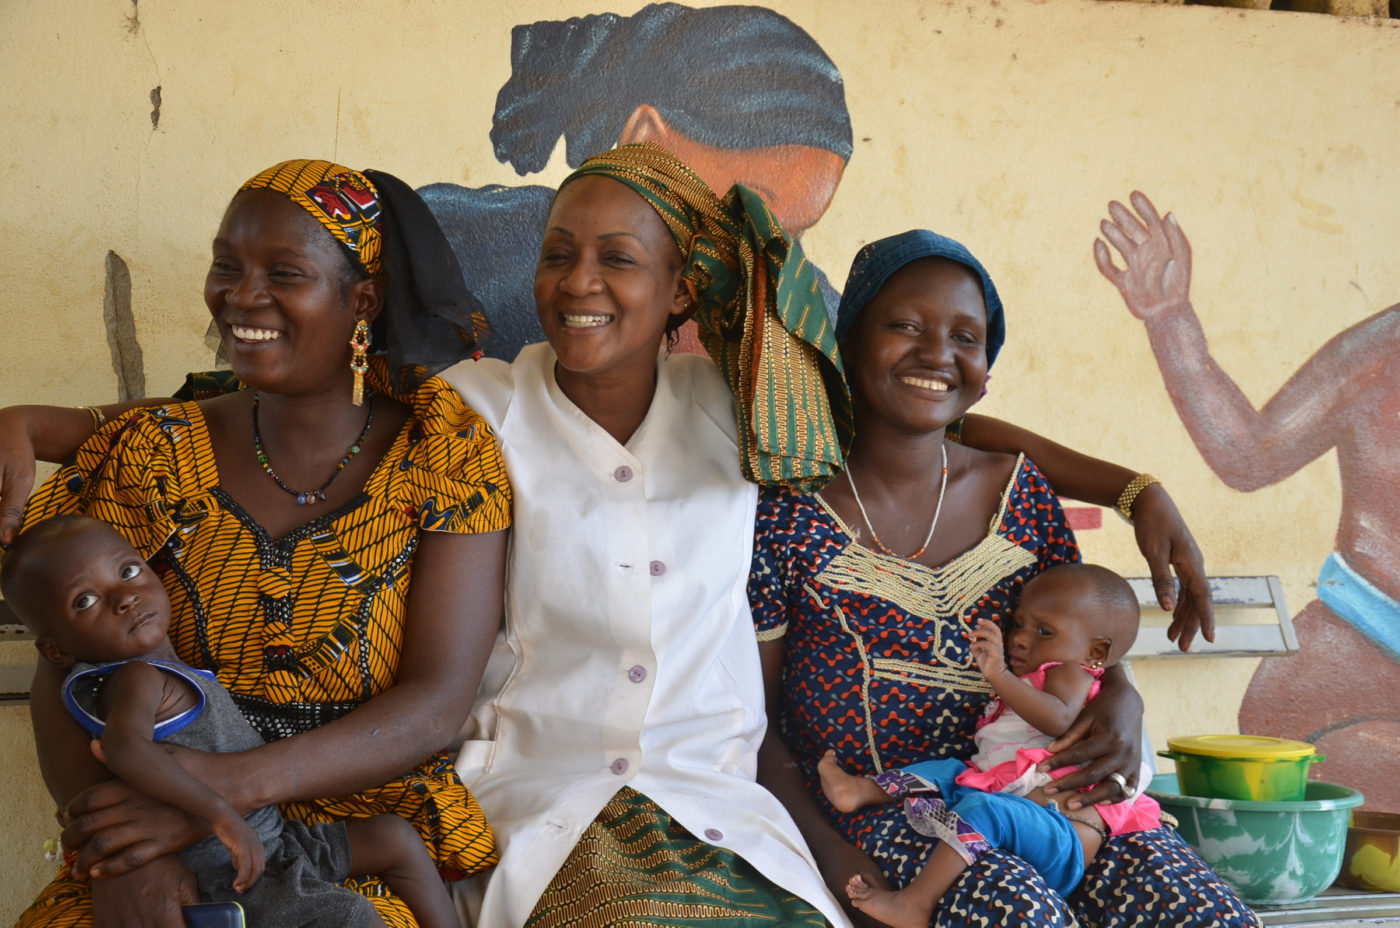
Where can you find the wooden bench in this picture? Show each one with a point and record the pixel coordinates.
(1251, 620)
(15, 671)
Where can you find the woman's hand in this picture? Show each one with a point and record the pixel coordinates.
(16, 470)
(1106, 738)
(149, 897)
(116, 830)
(42, 433)
(1157, 255)
(1166, 542)
(243, 844)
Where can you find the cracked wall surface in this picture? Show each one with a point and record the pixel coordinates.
(121, 330)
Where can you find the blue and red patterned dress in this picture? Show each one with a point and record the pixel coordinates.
(878, 666)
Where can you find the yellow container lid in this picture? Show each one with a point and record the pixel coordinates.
(1244, 747)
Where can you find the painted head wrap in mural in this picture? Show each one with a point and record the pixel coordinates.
(732, 77)
(760, 314)
(874, 264)
(430, 319)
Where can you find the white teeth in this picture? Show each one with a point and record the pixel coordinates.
(243, 333)
(585, 320)
(936, 385)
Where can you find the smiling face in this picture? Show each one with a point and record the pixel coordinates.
(608, 280)
(91, 595)
(284, 296)
(1055, 620)
(917, 356)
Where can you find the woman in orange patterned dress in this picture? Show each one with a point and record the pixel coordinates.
(287, 520)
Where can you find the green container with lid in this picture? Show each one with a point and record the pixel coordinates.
(1248, 767)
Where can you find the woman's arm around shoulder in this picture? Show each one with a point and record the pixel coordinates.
(1162, 534)
(42, 433)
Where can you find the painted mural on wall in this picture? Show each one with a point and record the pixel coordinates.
(599, 80)
(602, 80)
(1340, 691)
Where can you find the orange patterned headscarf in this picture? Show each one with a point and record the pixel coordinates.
(345, 202)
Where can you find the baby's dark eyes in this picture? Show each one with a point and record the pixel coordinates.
(131, 571)
(84, 601)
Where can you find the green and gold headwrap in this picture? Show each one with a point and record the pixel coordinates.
(342, 200)
(760, 313)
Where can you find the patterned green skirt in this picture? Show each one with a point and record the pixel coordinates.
(635, 867)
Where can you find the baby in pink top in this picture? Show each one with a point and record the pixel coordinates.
(1072, 622)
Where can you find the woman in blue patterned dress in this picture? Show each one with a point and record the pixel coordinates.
(863, 605)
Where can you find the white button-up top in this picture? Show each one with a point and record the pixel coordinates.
(628, 655)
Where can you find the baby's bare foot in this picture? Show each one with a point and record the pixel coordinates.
(894, 908)
(846, 791)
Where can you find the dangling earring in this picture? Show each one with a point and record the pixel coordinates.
(359, 361)
(984, 386)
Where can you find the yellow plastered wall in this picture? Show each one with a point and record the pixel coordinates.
(1008, 124)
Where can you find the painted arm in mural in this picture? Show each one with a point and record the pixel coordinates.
(1162, 534)
(1247, 448)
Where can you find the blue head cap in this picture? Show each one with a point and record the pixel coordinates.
(877, 261)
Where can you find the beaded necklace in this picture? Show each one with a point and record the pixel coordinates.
(309, 497)
(931, 526)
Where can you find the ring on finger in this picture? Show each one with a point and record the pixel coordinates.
(1122, 782)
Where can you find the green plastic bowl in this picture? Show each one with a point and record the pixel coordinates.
(1271, 852)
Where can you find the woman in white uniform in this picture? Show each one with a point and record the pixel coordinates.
(616, 735)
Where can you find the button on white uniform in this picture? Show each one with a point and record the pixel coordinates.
(637, 674)
(622, 474)
(658, 568)
(619, 766)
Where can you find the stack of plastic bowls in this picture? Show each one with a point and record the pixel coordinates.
(1248, 809)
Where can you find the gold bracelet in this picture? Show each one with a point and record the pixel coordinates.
(98, 418)
(1130, 494)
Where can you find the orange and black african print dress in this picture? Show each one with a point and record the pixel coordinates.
(304, 628)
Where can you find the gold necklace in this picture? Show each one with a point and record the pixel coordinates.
(943, 485)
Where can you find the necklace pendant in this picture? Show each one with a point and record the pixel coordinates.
(302, 499)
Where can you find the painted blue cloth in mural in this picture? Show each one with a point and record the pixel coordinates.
(1355, 599)
(496, 233)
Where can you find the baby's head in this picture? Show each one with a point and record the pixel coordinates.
(84, 592)
(1072, 613)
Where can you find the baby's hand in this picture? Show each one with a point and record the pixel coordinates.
(988, 649)
(245, 847)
